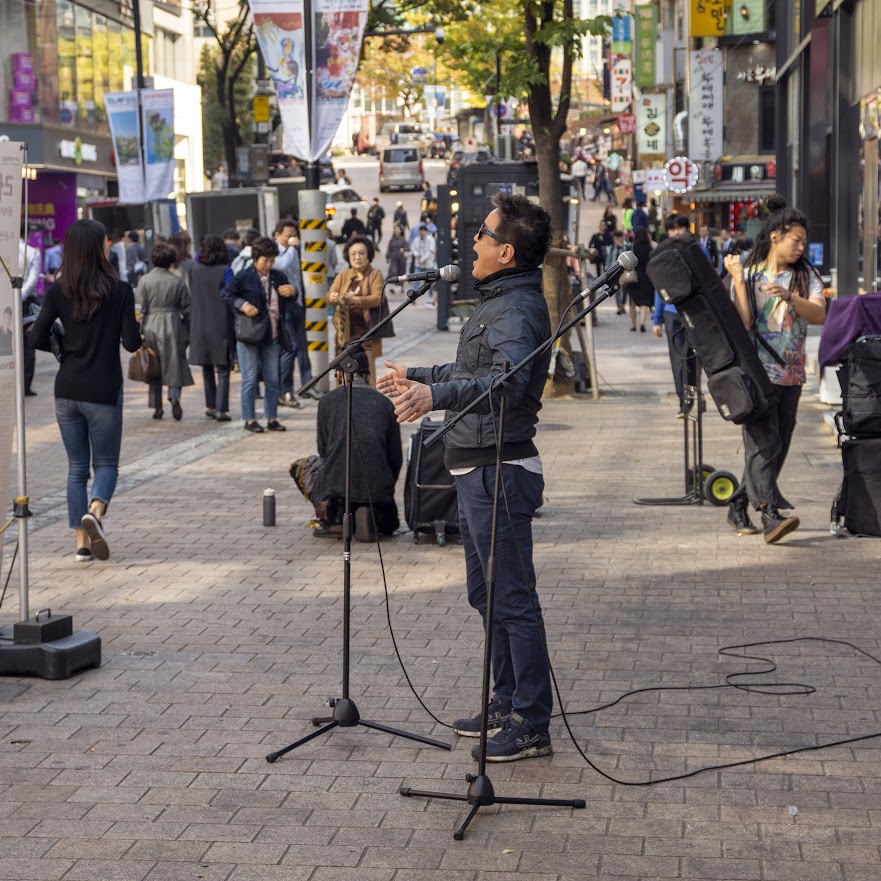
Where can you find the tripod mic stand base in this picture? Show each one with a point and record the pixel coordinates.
(346, 715)
(481, 794)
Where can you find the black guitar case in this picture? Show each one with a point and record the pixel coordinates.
(683, 275)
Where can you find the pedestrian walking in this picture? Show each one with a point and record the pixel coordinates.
(97, 310)
(375, 216)
(424, 249)
(288, 262)
(260, 292)
(579, 173)
(400, 217)
(641, 294)
(211, 336)
(183, 247)
(29, 257)
(612, 253)
(354, 226)
(778, 294)
(396, 254)
(602, 184)
(165, 321)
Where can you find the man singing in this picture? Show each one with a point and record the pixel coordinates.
(510, 321)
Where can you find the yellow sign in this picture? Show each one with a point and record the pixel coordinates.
(708, 18)
(260, 108)
(316, 278)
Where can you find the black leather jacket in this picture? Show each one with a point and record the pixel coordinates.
(509, 322)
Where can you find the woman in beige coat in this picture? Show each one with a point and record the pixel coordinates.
(357, 295)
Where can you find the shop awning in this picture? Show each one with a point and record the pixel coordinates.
(735, 194)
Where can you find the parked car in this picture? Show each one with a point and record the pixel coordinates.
(400, 167)
(341, 199)
(460, 158)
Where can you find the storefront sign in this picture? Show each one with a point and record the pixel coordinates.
(705, 105)
(52, 202)
(337, 35)
(78, 151)
(708, 18)
(646, 34)
(680, 174)
(11, 161)
(651, 114)
(655, 180)
(622, 85)
(739, 172)
(626, 123)
(758, 74)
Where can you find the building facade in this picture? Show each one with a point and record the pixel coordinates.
(59, 58)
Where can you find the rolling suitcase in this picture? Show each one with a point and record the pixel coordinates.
(430, 503)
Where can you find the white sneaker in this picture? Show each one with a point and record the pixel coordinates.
(97, 538)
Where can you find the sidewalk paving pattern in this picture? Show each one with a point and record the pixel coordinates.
(221, 640)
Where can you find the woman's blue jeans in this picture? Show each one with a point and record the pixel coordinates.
(92, 435)
(251, 358)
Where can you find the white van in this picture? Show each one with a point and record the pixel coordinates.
(400, 166)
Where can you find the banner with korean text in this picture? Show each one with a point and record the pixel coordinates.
(646, 26)
(705, 105)
(337, 32)
(651, 125)
(157, 107)
(11, 161)
(122, 114)
(622, 85)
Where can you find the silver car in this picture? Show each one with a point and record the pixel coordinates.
(400, 166)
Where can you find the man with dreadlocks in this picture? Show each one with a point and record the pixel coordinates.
(778, 294)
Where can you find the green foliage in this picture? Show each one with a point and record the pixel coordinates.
(214, 115)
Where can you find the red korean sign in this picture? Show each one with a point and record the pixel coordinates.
(627, 123)
(681, 174)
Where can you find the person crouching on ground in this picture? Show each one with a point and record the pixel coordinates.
(376, 460)
(96, 310)
(261, 292)
(778, 295)
(510, 321)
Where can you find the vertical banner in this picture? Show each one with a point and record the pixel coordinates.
(157, 107)
(708, 18)
(122, 114)
(646, 32)
(621, 85)
(651, 128)
(11, 161)
(279, 25)
(705, 105)
(337, 33)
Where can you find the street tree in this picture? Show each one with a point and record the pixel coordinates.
(231, 73)
(536, 43)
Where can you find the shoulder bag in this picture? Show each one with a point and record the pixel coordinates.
(251, 331)
(144, 365)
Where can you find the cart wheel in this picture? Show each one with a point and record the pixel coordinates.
(703, 470)
(719, 487)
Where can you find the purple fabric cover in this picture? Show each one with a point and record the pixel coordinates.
(849, 318)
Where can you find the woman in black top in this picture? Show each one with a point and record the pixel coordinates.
(96, 310)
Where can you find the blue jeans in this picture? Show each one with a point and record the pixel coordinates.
(265, 359)
(92, 434)
(299, 354)
(521, 674)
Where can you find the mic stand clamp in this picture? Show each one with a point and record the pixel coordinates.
(345, 711)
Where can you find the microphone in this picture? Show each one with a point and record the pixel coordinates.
(445, 273)
(626, 260)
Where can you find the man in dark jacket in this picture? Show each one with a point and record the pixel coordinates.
(353, 226)
(509, 322)
(375, 217)
(376, 458)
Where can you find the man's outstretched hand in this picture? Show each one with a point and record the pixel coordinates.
(412, 399)
(388, 383)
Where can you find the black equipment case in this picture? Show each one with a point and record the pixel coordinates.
(684, 276)
(860, 380)
(430, 503)
(859, 498)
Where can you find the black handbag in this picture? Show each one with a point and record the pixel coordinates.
(251, 330)
(735, 394)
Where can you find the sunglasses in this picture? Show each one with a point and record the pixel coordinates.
(484, 229)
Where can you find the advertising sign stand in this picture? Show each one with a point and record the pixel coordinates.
(45, 645)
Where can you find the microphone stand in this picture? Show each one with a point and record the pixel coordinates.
(345, 711)
(480, 791)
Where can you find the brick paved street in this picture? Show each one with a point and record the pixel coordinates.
(221, 639)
